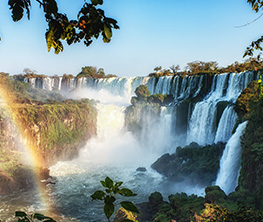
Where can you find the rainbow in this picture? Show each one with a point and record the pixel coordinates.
(32, 157)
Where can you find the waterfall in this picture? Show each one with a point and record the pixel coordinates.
(227, 177)
(202, 111)
(115, 153)
(226, 124)
(207, 121)
(203, 126)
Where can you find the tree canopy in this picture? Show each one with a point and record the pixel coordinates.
(91, 22)
(257, 6)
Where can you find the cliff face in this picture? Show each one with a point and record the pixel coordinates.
(51, 129)
(57, 131)
(54, 132)
(14, 175)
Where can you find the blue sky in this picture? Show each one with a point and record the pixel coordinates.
(152, 33)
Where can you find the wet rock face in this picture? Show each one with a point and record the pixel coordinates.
(193, 162)
(7, 184)
(22, 179)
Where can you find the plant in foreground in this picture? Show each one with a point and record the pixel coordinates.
(111, 189)
(23, 217)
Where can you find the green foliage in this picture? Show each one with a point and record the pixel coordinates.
(59, 123)
(251, 175)
(142, 92)
(179, 208)
(156, 98)
(248, 96)
(108, 196)
(260, 87)
(249, 106)
(145, 98)
(24, 217)
(92, 72)
(214, 194)
(197, 68)
(202, 67)
(91, 23)
(214, 213)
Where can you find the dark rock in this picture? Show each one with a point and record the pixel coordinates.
(193, 163)
(141, 169)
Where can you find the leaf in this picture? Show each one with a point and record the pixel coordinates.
(106, 40)
(127, 205)
(108, 210)
(20, 214)
(98, 195)
(127, 220)
(96, 2)
(103, 183)
(50, 6)
(41, 217)
(107, 31)
(17, 13)
(18, 7)
(118, 184)
(109, 199)
(126, 192)
(108, 182)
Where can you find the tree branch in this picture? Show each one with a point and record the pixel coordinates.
(241, 26)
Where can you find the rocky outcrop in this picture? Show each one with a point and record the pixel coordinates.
(193, 163)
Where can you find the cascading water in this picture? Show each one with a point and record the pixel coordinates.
(227, 177)
(114, 153)
(203, 124)
(226, 125)
(117, 153)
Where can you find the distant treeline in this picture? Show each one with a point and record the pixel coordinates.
(200, 67)
(192, 68)
(87, 71)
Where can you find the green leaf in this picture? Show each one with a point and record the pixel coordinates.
(96, 2)
(126, 192)
(108, 210)
(20, 214)
(41, 217)
(108, 182)
(116, 187)
(127, 220)
(118, 184)
(109, 199)
(103, 183)
(107, 31)
(127, 205)
(98, 195)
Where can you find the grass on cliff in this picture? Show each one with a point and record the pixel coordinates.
(44, 118)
